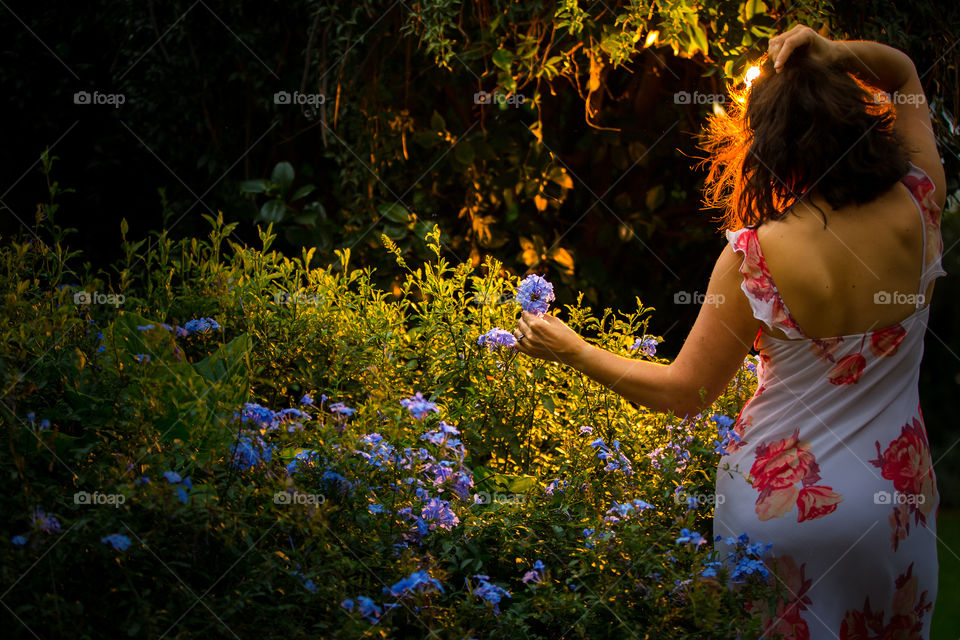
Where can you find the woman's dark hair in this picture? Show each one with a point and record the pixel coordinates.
(811, 125)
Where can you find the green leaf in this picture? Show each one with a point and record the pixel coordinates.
(751, 8)
(273, 210)
(503, 59)
(253, 186)
(699, 38)
(463, 152)
(394, 213)
(302, 192)
(548, 404)
(437, 123)
(283, 175)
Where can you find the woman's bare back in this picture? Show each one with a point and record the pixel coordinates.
(859, 274)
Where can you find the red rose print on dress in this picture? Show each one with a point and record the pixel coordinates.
(777, 469)
(906, 620)
(824, 348)
(848, 370)
(907, 462)
(885, 342)
(815, 502)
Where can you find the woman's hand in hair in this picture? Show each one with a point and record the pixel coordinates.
(819, 48)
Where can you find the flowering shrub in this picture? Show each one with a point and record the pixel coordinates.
(337, 460)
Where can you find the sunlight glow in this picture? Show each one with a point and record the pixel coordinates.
(752, 74)
(651, 38)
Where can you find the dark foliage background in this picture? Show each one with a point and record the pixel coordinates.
(590, 181)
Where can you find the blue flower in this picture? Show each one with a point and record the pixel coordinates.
(342, 409)
(535, 294)
(263, 417)
(334, 478)
(554, 486)
(47, 524)
(367, 608)
(200, 325)
(306, 399)
(142, 357)
(144, 327)
(535, 574)
(439, 510)
(375, 508)
(419, 406)
(647, 345)
(172, 476)
(585, 431)
(711, 569)
(250, 450)
(417, 581)
(690, 536)
(18, 541)
(490, 592)
(496, 337)
(118, 541)
(303, 460)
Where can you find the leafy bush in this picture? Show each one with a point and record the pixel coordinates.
(222, 440)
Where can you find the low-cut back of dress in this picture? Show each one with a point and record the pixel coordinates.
(834, 467)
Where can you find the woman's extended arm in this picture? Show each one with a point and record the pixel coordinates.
(710, 356)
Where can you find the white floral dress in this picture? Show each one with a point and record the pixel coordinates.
(834, 466)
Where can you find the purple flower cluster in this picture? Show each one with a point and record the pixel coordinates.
(264, 419)
(46, 523)
(418, 406)
(182, 485)
(535, 575)
(250, 451)
(535, 294)
(555, 485)
(725, 434)
(496, 338)
(671, 451)
(615, 459)
(416, 582)
(619, 511)
(198, 325)
(647, 345)
(490, 592)
(692, 537)
(118, 541)
(744, 560)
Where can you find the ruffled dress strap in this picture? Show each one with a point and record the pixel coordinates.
(758, 285)
(921, 187)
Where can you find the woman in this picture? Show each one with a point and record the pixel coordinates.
(832, 201)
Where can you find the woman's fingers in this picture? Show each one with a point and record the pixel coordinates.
(796, 37)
